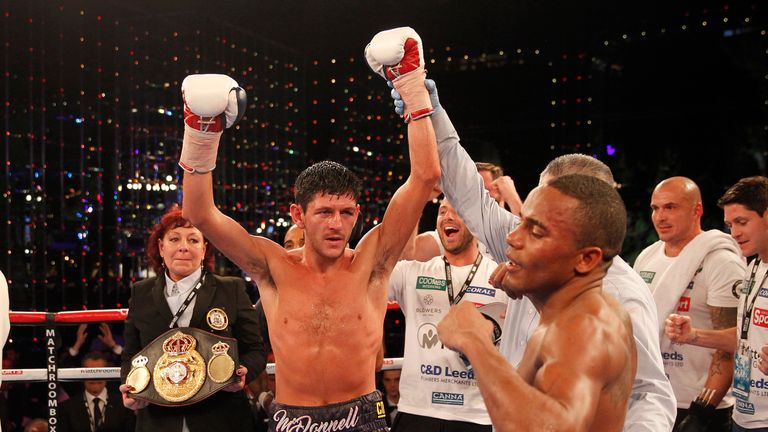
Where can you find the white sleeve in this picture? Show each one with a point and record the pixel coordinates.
(652, 405)
(463, 187)
(397, 281)
(650, 409)
(721, 269)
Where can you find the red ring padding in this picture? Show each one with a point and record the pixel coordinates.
(68, 317)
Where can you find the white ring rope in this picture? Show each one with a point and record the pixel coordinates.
(109, 373)
(113, 373)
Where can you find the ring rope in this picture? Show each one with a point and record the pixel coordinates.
(113, 373)
(68, 317)
(84, 316)
(36, 318)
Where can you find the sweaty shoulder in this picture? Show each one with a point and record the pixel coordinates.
(615, 309)
(267, 256)
(599, 320)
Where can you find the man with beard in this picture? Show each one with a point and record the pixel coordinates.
(652, 405)
(437, 391)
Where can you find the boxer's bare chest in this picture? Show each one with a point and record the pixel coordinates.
(318, 306)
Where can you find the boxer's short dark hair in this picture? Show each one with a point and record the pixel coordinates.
(601, 218)
(751, 192)
(326, 177)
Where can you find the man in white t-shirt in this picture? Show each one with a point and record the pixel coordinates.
(501, 188)
(691, 272)
(652, 405)
(745, 207)
(437, 391)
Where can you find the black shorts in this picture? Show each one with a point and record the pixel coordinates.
(406, 422)
(362, 414)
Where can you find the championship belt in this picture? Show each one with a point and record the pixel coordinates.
(185, 365)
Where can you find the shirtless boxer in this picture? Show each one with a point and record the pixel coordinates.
(324, 303)
(558, 257)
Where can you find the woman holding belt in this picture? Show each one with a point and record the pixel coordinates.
(187, 294)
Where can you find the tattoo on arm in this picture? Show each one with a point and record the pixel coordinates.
(716, 366)
(722, 317)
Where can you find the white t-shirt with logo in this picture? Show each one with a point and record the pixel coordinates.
(751, 411)
(435, 381)
(687, 366)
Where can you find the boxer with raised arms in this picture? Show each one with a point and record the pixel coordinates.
(325, 303)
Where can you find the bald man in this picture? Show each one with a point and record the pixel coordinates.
(294, 238)
(691, 272)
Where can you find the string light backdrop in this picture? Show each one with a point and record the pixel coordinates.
(92, 126)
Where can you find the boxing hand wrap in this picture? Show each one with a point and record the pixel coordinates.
(414, 94)
(400, 105)
(397, 55)
(212, 103)
(198, 152)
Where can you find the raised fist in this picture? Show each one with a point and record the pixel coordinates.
(211, 103)
(394, 53)
(678, 329)
(397, 55)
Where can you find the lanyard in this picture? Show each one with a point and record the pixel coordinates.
(748, 306)
(470, 276)
(187, 301)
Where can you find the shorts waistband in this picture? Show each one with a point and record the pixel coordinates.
(362, 414)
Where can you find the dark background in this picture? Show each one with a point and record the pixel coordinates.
(677, 88)
(91, 105)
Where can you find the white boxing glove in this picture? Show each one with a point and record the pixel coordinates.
(212, 102)
(397, 55)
